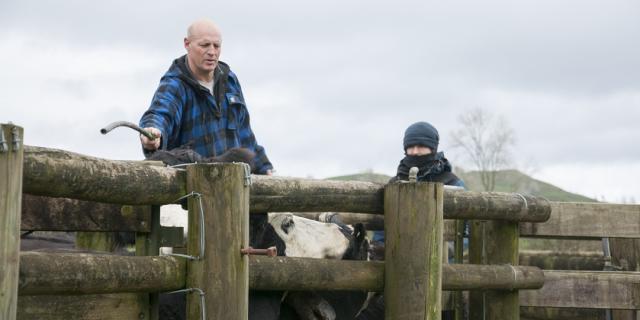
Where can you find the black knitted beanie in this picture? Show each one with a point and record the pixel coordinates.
(421, 133)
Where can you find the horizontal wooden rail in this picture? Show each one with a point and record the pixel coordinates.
(587, 220)
(282, 273)
(85, 307)
(586, 289)
(554, 260)
(58, 173)
(62, 214)
(74, 273)
(280, 194)
(283, 194)
(67, 273)
(547, 313)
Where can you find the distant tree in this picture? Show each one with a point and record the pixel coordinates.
(486, 141)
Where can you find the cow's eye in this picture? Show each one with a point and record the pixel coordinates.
(287, 225)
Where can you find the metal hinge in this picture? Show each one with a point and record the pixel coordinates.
(247, 175)
(3, 143)
(200, 256)
(203, 312)
(15, 132)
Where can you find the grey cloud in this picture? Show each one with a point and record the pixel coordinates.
(566, 74)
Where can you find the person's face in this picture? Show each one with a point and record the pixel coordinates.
(418, 151)
(203, 50)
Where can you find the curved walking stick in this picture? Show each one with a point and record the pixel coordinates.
(133, 126)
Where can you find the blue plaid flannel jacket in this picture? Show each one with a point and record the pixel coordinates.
(185, 112)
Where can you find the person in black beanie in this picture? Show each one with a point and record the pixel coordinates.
(421, 150)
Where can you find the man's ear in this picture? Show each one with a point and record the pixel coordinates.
(186, 43)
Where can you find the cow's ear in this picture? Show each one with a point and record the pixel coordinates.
(358, 232)
(287, 224)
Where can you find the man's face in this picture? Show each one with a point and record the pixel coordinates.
(418, 151)
(203, 50)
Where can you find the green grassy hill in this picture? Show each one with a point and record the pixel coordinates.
(516, 181)
(506, 181)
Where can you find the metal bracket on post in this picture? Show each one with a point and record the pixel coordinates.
(3, 143)
(16, 138)
(203, 312)
(247, 175)
(202, 241)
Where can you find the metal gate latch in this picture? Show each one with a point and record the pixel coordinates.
(16, 138)
(3, 143)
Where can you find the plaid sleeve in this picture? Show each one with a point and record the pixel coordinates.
(165, 111)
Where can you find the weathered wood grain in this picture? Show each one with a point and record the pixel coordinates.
(284, 273)
(148, 244)
(587, 220)
(477, 256)
(59, 173)
(586, 289)
(81, 307)
(413, 250)
(223, 273)
(10, 195)
(41, 273)
(552, 260)
(284, 194)
(278, 194)
(501, 245)
(63, 214)
(537, 313)
(77, 273)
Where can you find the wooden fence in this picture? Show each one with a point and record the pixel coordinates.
(412, 275)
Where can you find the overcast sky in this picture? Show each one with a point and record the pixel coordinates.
(331, 85)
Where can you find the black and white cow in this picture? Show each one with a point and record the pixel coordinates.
(295, 236)
(326, 239)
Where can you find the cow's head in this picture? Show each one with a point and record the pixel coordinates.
(295, 236)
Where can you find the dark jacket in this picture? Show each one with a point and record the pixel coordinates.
(187, 113)
(432, 167)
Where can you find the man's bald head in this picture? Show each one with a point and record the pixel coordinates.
(202, 27)
(203, 44)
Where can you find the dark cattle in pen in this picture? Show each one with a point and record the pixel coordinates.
(329, 239)
(297, 237)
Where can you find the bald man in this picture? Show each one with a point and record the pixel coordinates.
(199, 103)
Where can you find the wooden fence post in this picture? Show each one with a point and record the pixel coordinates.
(148, 244)
(413, 257)
(11, 158)
(501, 247)
(223, 273)
(625, 254)
(458, 297)
(476, 256)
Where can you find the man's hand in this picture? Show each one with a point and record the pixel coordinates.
(151, 144)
